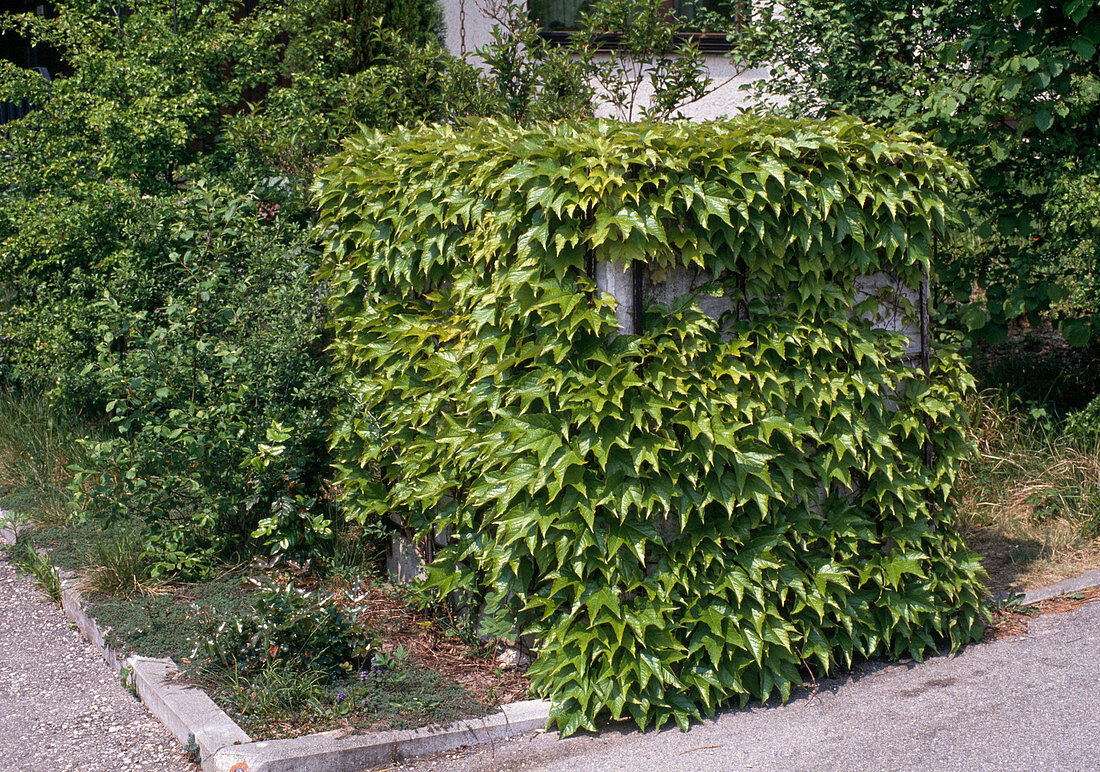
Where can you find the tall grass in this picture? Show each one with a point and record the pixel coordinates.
(37, 446)
(117, 565)
(1030, 491)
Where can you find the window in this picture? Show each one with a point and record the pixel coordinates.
(560, 18)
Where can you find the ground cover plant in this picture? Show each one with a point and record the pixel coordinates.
(284, 651)
(684, 518)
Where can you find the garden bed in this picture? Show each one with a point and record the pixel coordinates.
(426, 671)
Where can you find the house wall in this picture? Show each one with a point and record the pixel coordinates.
(723, 101)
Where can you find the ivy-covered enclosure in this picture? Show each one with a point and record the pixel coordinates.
(695, 515)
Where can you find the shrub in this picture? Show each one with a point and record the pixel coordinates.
(155, 101)
(156, 267)
(203, 390)
(690, 516)
(291, 626)
(1011, 89)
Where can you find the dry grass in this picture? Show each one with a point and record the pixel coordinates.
(1029, 501)
(117, 566)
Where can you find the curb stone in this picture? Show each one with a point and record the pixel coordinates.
(193, 718)
(332, 751)
(186, 711)
(1065, 587)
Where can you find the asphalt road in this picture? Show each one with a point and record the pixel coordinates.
(1027, 703)
(61, 706)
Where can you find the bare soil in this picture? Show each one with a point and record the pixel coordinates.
(1014, 621)
(432, 640)
(1020, 563)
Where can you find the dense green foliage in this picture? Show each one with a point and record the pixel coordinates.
(687, 517)
(1012, 88)
(204, 388)
(156, 268)
(1084, 424)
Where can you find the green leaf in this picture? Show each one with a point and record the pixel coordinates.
(1044, 120)
(1077, 333)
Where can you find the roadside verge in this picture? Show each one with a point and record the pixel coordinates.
(222, 746)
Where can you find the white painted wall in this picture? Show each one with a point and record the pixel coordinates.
(723, 101)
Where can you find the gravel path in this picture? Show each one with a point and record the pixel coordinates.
(61, 706)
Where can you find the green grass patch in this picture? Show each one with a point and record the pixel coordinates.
(165, 624)
(69, 544)
(37, 447)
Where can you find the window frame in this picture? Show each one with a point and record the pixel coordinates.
(708, 42)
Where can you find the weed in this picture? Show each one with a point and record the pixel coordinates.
(117, 565)
(356, 553)
(12, 520)
(192, 749)
(1013, 603)
(1083, 426)
(128, 680)
(270, 692)
(25, 557)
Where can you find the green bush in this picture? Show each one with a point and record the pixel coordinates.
(156, 267)
(285, 624)
(1011, 88)
(683, 518)
(203, 389)
(155, 101)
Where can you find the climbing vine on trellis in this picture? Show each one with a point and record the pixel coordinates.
(694, 516)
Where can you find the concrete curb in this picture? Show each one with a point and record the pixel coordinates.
(1083, 582)
(195, 719)
(339, 752)
(189, 714)
(186, 711)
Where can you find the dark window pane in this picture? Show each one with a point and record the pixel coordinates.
(564, 15)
